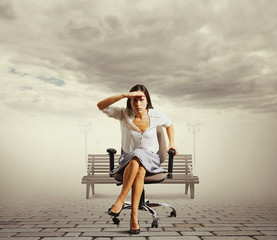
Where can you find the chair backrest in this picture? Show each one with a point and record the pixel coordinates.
(162, 144)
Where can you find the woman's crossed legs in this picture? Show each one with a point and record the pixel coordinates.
(133, 176)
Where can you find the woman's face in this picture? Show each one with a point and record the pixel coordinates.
(139, 104)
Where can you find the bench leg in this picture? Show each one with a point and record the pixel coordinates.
(87, 190)
(192, 190)
(92, 188)
(187, 188)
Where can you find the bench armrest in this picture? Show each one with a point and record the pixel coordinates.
(89, 169)
(171, 154)
(190, 170)
(111, 152)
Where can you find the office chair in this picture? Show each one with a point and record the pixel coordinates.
(155, 178)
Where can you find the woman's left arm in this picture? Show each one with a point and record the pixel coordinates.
(170, 134)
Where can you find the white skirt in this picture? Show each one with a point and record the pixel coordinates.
(151, 161)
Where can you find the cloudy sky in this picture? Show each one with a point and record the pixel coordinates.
(212, 62)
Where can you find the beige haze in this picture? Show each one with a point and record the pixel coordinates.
(212, 62)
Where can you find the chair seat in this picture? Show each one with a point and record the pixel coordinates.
(155, 178)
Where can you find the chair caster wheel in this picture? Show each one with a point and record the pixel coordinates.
(154, 224)
(116, 220)
(173, 213)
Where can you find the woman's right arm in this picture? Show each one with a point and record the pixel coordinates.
(110, 100)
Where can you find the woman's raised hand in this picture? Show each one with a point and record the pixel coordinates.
(135, 94)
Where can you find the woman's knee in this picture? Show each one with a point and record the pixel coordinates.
(135, 161)
(141, 172)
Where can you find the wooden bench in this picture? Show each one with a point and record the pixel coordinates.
(98, 170)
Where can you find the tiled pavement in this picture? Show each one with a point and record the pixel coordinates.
(198, 219)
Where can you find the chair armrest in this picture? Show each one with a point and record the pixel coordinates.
(111, 152)
(171, 154)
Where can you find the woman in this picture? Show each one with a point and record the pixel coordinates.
(139, 145)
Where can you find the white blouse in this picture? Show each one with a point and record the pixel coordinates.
(131, 136)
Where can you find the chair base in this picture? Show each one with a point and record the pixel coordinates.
(147, 206)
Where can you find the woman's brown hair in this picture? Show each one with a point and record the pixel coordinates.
(140, 87)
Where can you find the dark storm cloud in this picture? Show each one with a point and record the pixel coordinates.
(205, 54)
